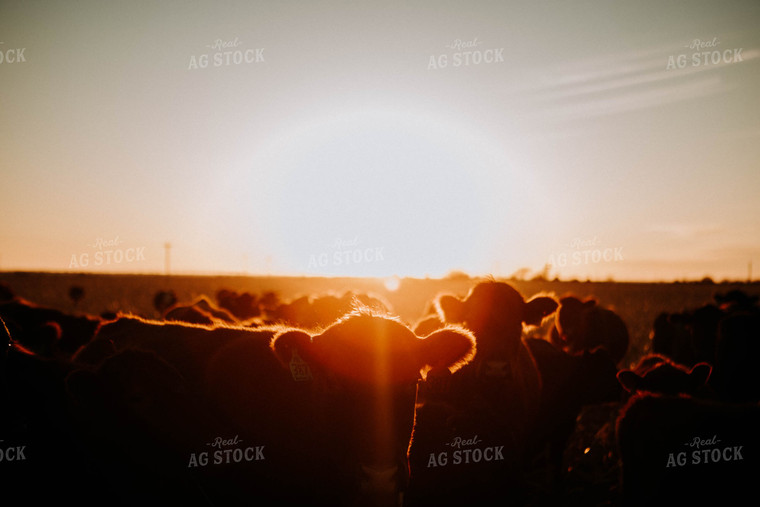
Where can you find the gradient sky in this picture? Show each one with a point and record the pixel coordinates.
(584, 132)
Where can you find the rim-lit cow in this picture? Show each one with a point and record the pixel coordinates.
(324, 416)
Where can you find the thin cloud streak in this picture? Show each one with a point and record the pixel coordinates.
(633, 101)
(615, 84)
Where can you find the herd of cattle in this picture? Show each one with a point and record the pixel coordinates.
(333, 400)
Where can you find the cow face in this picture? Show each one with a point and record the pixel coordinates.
(570, 321)
(671, 336)
(495, 312)
(365, 369)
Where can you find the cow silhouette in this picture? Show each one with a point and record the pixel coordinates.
(584, 325)
(471, 426)
(325, 415)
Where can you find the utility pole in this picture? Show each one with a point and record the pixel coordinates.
(167, 255)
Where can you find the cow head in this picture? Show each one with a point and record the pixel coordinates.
(658, 374)
(366, 367)
(671, 336)
(495, 312)
(570, 321)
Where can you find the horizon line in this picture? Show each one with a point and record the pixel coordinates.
(454, 276)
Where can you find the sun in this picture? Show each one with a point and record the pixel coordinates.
(380, 193)
(392, 283)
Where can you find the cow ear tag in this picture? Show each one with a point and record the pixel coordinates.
(299, 368)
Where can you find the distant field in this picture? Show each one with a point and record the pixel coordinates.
(637, 303)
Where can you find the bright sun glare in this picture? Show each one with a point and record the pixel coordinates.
(378, 193)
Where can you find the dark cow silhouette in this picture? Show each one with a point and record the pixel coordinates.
(325, 417)
(496, 313)
(315, 311)
(680, 450)
(6, 293)
(725, 334)
(704, 323)
(76, 294)
(671, 337)
(471, 426)
(189, 314)
(155, 437)
(207, 305)
(690, 336)
(199, 311)
(736, 374)
(136, 418)
(381, 369)
(737, 300)
(187, 347)
(656, 373)
(46, 330)
(569, 383)
(677, 443)
(163, 299)
(680, 447)
(243, 305)
(41, 458)
(584, 325)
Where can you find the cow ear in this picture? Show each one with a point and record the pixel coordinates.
(427, 325)
(699, 374)
(292, 342)
(629, 380)
(538, 308)
(450, 308)
(590, 303)
(451, 347)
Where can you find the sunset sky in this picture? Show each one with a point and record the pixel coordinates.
(381, 138)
